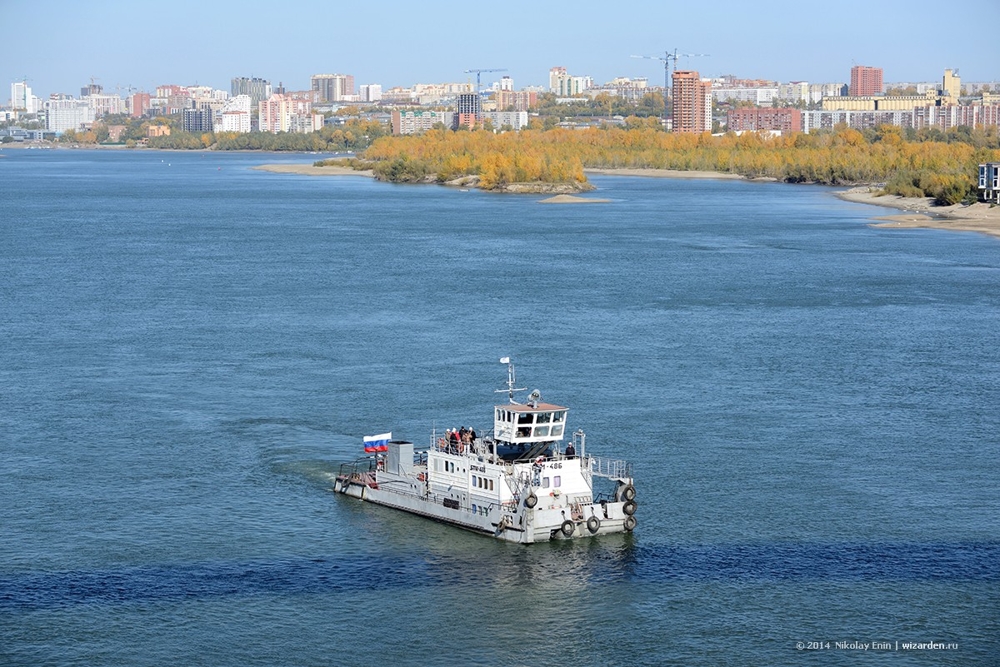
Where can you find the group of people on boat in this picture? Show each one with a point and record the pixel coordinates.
(458, 439)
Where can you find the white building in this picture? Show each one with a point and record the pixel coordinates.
(62, 115)
(285, 113)
(515, 119)
(370, 92)
(564, 85)
(105, 104)
(795, 91)
(415, 122)
(233, 121)
(235, 115)
(305, 123)
(21, 98)
(817, 91)
(756, 96)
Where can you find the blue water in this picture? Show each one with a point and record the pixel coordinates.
(189, 348)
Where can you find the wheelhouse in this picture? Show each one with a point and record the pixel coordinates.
(520, 424)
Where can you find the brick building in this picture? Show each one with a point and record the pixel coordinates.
(754, 119)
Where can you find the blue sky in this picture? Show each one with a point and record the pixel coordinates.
(59, 45)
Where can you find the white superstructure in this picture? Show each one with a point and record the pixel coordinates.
(519, 482)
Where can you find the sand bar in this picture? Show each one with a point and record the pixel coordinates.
(311, 170)
(663, 173)
(573, 199)
(921, 213)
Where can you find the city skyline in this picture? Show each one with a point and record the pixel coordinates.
(122, 45)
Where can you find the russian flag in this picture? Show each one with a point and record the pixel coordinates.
(377, 443)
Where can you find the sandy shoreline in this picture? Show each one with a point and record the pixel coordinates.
(921, 213)
(311, 170)
(663, 173)
(573, 199)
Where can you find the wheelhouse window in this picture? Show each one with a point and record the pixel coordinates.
(541, 431)
(524, 417)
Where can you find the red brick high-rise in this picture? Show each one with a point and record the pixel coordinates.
(865, 81)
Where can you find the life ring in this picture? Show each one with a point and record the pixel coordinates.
(531, 500)
(627, 492)
(567, 528)
(630, 523)
(420, 476)
(593, 524)
(629, 507)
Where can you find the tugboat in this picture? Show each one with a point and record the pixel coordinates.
(517, 482)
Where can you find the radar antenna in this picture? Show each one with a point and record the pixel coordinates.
(511, 381)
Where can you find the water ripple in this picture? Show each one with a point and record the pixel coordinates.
(971, 561)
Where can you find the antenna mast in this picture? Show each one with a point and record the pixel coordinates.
(511, 381)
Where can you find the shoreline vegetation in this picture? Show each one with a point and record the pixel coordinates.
(944, 168)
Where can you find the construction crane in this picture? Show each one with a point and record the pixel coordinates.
(480, 71)
(666, 59)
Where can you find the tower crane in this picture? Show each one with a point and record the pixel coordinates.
(666, 59)
(480, 71)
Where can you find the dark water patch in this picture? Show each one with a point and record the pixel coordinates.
(976, 561)
(576, 563)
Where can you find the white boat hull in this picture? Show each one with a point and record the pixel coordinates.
(550, 519)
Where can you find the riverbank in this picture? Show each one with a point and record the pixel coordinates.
(664, 173)
(310, 170)
(922, 213)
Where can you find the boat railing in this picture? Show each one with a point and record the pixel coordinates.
(358, 466)
(609, 468)
(482, 510)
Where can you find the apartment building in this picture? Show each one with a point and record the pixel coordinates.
(258, 89)
(564, 85)
(332, 87)
(866, 81)
(692, 102)
(415, 122)
(63, 115)
(753, 119)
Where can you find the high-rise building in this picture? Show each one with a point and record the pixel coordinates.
(92, 89)
(469, 109)
(139, 104)
(197, 121)
(258, 89)
(865, 81)
(332, 87)
(951, 85)
(371, 92)
(758, 119)
(67, 114)
(564, 85)
(517, 100)
(21, 98)
(692, 100)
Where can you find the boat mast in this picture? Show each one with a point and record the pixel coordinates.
(510, 380)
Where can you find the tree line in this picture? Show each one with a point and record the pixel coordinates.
(932, 163)
(354, 135)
